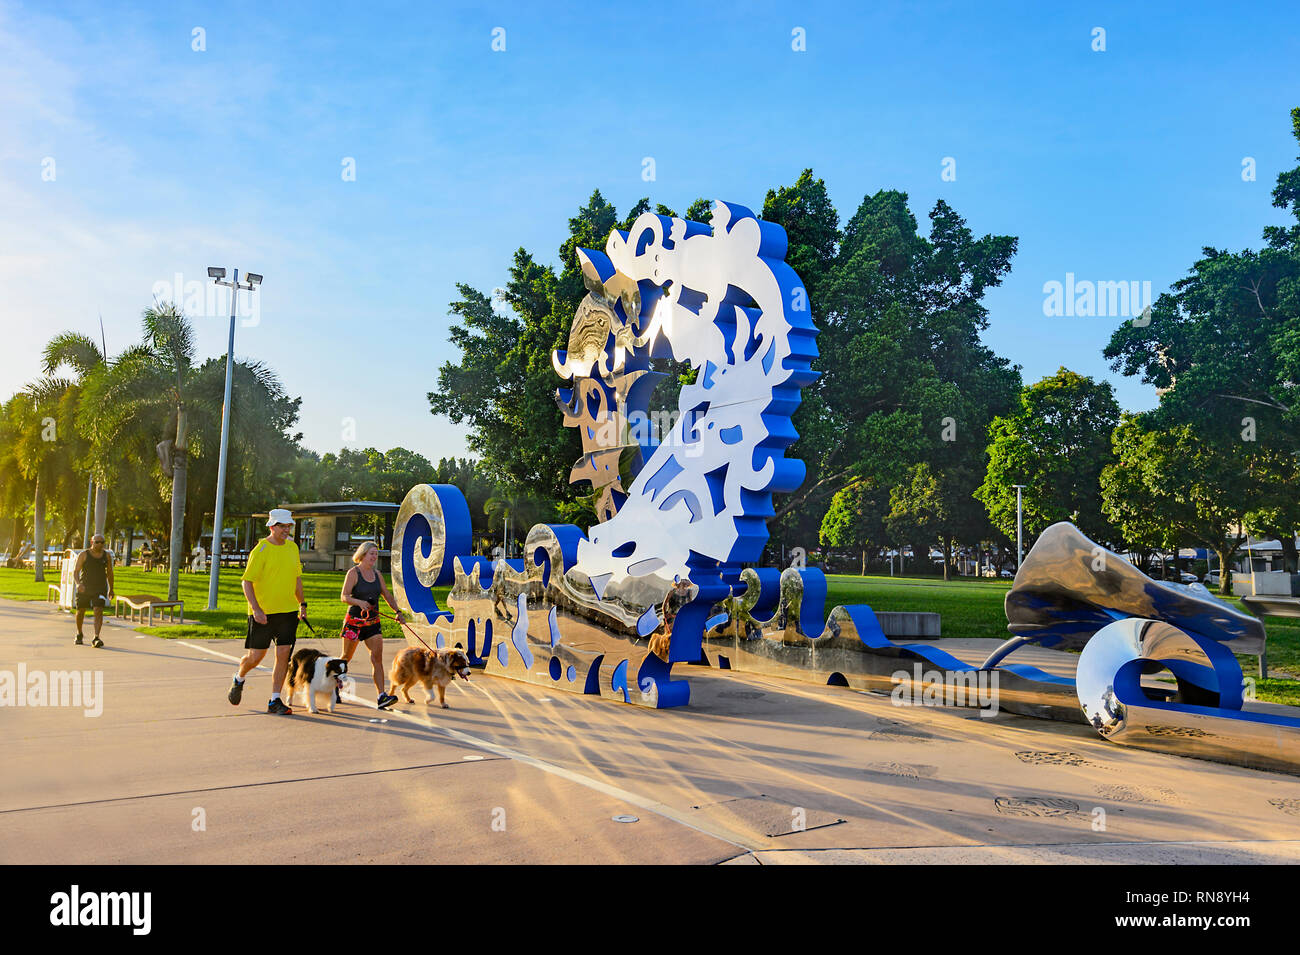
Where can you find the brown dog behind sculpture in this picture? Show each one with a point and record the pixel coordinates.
(430, 668)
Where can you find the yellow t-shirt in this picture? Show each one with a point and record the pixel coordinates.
(274, 570)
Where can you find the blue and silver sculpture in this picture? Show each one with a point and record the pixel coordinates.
(612, 610)
(684, 499)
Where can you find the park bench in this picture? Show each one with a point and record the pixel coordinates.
(139, 604)
(50, 561)
(924, 625)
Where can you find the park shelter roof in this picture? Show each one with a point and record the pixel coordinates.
(332, 508)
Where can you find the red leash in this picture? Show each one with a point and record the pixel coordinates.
(407, 626)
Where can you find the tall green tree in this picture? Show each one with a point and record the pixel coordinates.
(157, 402)
(1148, 521)
(918, 512)
(1223, 345)
(1175, 479)
(855, 519)
(503, 387)
(905, 378)
(262, 441)
(1056, 443)
(511, 512)
(811, 225)
(80, 354)
(935, 507)
(45, 451)
(15, 487)
(1274, 504)
(152, 383)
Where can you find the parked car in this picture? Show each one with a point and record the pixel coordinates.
(1212, 578)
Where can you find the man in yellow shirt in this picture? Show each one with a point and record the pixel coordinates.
(272, 585)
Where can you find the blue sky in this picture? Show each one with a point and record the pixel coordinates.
(1115, 166)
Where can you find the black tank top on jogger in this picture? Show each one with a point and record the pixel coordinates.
(367, 590)
(94, 574)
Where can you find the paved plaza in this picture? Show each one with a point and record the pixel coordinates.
(755, 770)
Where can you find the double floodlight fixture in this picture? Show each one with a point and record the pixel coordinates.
(249, 282)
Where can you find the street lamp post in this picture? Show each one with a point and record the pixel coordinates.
(251, 281)
(1020, 527)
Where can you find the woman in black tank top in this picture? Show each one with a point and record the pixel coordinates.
(362, 588)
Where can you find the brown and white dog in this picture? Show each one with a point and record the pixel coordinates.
(315, 672)
(419, 665)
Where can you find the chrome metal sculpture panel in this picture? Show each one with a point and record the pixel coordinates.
(1070, 591)
(1068, 588)
(775, 626)
(1202, 717)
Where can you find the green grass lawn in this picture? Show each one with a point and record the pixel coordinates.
(970, 607)
(974, 608)
(229, 620)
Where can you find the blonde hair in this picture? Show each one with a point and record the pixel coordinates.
(360, 553)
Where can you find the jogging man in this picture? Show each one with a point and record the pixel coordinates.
(93, 574)
(272, 585)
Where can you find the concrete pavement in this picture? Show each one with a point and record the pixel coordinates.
(754, 770)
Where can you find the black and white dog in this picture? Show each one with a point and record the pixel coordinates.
(315, 673)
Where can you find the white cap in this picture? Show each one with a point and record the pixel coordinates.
(279, 515)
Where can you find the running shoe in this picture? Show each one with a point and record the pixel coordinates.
(97, 642)
(236, 692)
(78, 642)
(385, 701)
(278, 708)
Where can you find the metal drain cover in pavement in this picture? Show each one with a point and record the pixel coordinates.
(767, 816)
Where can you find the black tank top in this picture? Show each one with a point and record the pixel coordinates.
(367, 590)
(94, 573)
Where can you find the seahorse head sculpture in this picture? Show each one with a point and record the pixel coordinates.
(720, 297)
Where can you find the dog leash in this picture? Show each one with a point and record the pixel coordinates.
(407, 626)
(382, 614)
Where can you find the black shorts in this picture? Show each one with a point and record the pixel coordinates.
(280, 629)
(88, 601)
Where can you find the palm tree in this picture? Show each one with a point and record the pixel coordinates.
(42, 450)
(150, 381)
(156, 389)
(81, 354)
(258, 452)
(15, 487)
(507, 508)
